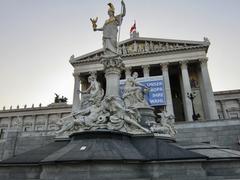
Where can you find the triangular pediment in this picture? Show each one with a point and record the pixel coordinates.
(144, 46)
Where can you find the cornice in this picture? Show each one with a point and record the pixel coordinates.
(143, 54)
(144, 46)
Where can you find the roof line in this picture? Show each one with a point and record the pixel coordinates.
(142, 39)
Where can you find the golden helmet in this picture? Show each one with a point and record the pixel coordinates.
(111, 7)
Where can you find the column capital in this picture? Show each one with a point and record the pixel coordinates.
(146, 69)
(183, 64)
(203, 60)
(145, 66)
(76, 74)
(164, 66)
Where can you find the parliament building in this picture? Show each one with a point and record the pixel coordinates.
(182, 67)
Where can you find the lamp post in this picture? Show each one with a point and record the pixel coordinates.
(191, 96)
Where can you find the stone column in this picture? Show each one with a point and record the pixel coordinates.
(207, 91)
(34, 122)
(168, 93)
(186, 89)
(224, 109)
(46, 122)
(9, 123)
(23, 121)
(76, 99)
(146, 70)
(112, 82)
(128, 72)
(112, 68)
(20, 123)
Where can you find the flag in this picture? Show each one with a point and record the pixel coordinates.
(133, 28)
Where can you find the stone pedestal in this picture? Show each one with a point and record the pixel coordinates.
(147, 116)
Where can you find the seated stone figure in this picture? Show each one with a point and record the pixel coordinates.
(93, 94)
(134, 92)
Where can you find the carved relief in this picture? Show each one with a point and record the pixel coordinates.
(110, 114)
(141, 47)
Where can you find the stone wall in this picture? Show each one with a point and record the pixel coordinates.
(20, 142)
(33, 118)
(228, 104)
(44, 118)
(218, 132)
(195, 170)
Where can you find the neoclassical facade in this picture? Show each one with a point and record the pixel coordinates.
(32, 118)
(228, 104)
(182, 64)
(43, 119)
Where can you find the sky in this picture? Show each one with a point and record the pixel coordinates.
(37, 38)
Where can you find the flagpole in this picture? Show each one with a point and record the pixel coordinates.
(119, 30)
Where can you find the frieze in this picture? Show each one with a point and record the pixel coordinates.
(141, 47)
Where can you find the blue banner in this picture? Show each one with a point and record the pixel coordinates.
(156, 95)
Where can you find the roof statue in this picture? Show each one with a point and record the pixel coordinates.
(57, 99)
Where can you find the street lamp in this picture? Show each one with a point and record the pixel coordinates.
(191, 96)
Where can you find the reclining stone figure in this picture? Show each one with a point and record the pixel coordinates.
(121, 118)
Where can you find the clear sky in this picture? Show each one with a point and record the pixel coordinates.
(37, 38)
